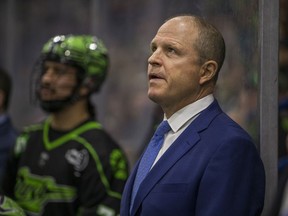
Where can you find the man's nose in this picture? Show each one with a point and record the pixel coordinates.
(48, 75)
(155, 58)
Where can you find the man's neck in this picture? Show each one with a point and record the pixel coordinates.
(69, 117)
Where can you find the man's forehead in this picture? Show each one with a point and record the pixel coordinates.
(55, 64)
(177, 25)
(166, 38)
(175, 31)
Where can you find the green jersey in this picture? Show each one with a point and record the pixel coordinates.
(77, 172)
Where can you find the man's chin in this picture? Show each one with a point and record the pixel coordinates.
(154, 97)
(53, 106)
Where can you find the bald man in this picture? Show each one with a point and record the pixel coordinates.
(207, 164)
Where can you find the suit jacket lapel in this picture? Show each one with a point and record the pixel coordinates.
(171, 156)
(187, 140)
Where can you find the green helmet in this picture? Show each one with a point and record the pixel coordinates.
(85, 52)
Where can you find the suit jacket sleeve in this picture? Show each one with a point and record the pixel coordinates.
(233, 181)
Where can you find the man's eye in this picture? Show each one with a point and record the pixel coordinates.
(171, 50)
(153, 49)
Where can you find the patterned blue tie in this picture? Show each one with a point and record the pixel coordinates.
(149, 157)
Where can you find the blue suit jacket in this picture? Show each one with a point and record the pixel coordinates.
(212, 169)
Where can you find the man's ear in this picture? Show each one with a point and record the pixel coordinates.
(208, 71)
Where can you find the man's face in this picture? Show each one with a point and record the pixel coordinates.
(173, 67)
(57, 81)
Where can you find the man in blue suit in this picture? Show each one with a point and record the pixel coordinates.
(207, 164)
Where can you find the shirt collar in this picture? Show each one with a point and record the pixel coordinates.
(182, 116)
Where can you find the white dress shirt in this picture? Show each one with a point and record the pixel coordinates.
(180, 120)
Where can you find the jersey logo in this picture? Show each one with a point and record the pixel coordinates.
(79, 159)
(118, 165)
(33, 192)
(44, 157)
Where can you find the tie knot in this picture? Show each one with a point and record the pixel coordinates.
(163, 128)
